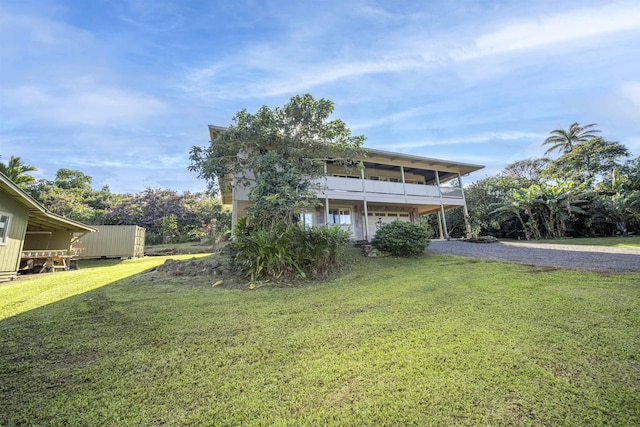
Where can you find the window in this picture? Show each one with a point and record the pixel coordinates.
(306, 219)
(339, 216)
(5, 219)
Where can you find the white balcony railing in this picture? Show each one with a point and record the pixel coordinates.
(333, 183)
(451, 192)
(367, 186)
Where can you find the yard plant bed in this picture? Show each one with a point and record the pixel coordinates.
(435, 340)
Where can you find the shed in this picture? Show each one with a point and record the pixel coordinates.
(29, 232)
(113, 241)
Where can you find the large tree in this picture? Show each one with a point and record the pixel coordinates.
(16, 171)
(565, 140)
(278, 153)
(591, 160)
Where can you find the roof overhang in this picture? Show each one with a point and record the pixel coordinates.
(419, 162)
(215, 131)
(41, 219)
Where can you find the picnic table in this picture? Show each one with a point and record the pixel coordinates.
(40, 261)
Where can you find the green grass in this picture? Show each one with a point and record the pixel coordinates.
(427, 341)
(32, 291)
(617, 242)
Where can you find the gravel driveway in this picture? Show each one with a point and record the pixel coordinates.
(550, 255)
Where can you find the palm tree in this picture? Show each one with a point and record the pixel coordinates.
(15, 170)
(564, 140)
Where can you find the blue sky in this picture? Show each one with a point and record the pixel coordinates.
(121, 89)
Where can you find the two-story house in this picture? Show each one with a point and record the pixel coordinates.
(391, 186)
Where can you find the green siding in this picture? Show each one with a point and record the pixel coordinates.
(10, 252)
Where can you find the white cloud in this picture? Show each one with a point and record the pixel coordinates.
(472, 139)
(631, 92)
(286, 67)
(23, 34)
(554, 29)
(88, 104)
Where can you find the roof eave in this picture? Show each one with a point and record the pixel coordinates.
(39, 212)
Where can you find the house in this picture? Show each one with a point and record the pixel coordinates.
(30, 234)
(391, 186)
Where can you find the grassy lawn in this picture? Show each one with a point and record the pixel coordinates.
(429, 341)
(32, 291)
(617, 242)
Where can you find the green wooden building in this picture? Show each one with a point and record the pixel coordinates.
(28, 231)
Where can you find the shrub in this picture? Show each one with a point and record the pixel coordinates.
(401, 238)
(320, 250)
(283, 251)
(262, 252)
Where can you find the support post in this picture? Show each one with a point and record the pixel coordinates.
(444, 219)
(234, 212)
(444, 222)
(366, 220)
(326, 198)
(326, 210)
(467, 224)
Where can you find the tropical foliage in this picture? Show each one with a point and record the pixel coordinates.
(17, 171)
(167, 215)
(285, 251)
(588, 190)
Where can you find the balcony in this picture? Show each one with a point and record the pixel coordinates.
(384, 191)
(336, 185)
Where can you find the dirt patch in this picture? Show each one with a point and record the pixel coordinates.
(177, 250)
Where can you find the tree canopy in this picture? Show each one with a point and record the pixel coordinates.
(589, 160)
(279, 153)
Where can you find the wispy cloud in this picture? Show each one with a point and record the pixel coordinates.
(471, 139)
(553, 30)
(25, 35)
(152, 16)
(88, 104)
(282, 74)
(631, 91)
